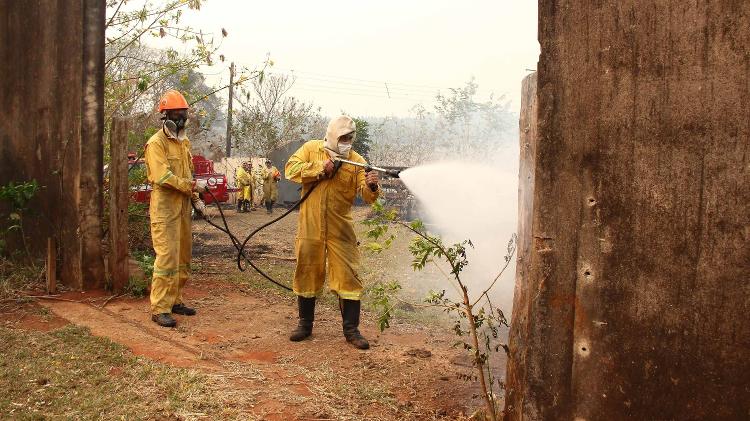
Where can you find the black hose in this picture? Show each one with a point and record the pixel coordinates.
(241, 246)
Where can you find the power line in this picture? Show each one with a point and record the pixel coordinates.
(370, 81)
(384, 91)
(384, 88)
(328, 91)
(378, 85)
(351, 88)
(381, 91)
(402, 86)
(344, 85)
(367, 90)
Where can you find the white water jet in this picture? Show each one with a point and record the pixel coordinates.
(478, 202)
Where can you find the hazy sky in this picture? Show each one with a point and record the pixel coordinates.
(344, 53)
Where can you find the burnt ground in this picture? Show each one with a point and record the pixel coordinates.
(412, 372)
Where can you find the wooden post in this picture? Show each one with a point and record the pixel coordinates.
(118, 205)
(229, 110)
(51, 266)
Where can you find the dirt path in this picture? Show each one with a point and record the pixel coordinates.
(245, 337)
(241, 330)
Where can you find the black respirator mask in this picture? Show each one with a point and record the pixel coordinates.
(175, 120)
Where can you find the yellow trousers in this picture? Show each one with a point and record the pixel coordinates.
(245, 192)
(172, 239)
(340, 257)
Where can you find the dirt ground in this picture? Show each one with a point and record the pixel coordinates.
(412, 372)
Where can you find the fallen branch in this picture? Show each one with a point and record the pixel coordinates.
(110, 299)
(50, 297)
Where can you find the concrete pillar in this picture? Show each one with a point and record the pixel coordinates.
(635, 291)
(51, 70)
(521, 297)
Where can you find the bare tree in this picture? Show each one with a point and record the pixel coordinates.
(403, 141)
(135, 74)
(473, 128)
(460, 126)
(268, 117)
(132, 70)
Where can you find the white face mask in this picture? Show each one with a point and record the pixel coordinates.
(344, 149)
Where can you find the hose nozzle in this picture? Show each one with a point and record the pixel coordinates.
(393, 173)
(389, 173)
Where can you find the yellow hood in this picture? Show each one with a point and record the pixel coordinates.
(337, 127)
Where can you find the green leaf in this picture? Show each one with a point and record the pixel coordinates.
(375, 247)
(417, 225)
(142, 85)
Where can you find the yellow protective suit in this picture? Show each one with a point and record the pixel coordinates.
(270, 189)
(169, 166)
(245, 184)
(325, 230)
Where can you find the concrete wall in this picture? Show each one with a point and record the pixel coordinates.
(51, 125)
(288, 192)
(637, 290)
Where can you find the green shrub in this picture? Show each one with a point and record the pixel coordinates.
(18, 196)
(137, 287)
(146, 263)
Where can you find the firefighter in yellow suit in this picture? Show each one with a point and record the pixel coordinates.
(245, 185)
(326, 242)
(271, 176)
(169, 167)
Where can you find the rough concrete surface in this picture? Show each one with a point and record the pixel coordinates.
(50, 131)
(638, 288)
(520, 327)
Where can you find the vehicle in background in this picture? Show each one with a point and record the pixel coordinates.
(203, 170)
(396, 195)
(216, 182)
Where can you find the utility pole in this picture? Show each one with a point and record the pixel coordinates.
(229, 111)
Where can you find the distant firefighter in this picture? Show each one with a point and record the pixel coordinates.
(245, 187)
(271, 177)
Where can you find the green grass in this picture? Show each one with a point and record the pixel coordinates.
(374, 267)
(70, 374)
(251, 280)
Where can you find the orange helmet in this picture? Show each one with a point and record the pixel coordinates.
(172, 100)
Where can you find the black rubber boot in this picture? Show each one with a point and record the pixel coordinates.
(240, 205)
(269, 206)
(164, 319)
(247, 206)
(183, 310)
(350, 314)
(306, 308)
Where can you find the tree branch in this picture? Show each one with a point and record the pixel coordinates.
(109, 22)
(507, 262)
(152, 12)
(239, 82)
(433, 242)
(137, 37)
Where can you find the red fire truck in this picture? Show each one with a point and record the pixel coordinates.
(203, 170)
